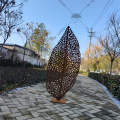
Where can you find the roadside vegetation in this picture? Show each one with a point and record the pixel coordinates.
(104, 55)
(101, 61)
(83, 73)
(112, 82)
(14, 77)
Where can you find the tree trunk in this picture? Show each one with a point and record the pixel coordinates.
(26, 58)
(111, 67)
(2, 46)
(13, 55)
(24, 55)
(1, 49)
(97, 67)
(39, 62)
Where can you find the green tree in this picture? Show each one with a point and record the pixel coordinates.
(104, 63)
(119, 64)
(87, 60)
(40, 40)
(95, 53)
(116, 65)
(94, 66)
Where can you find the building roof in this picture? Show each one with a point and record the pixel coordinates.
(16, 46)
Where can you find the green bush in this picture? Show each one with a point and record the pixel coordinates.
(11, 63)
(83, 73)
(16, 63)
(94, 66)
(12, 77)
(112, 82)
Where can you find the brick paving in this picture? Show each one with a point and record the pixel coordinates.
(85, 101)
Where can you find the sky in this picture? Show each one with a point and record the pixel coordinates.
(80, 15)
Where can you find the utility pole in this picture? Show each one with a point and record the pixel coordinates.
(91, 35)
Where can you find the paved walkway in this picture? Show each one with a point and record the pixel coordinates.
(85, 101)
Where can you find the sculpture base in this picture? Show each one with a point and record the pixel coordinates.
(59, 101)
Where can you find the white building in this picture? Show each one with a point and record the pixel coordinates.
(15, 52)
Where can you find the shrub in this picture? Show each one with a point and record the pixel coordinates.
(11, 77)
(112, 82)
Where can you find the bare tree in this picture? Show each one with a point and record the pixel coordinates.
(10, 18)
(6, 4)
(26, 31)
(111, 43)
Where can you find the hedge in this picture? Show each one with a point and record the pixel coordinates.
(12, 77)
(112, 82)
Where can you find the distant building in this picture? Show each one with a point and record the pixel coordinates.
(16, 52)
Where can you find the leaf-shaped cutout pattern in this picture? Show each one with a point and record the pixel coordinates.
(63, 65)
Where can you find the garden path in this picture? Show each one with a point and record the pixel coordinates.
(85, 101)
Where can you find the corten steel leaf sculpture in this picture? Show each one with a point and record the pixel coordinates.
(63, 66)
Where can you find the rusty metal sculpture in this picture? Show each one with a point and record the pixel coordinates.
(63, 66)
